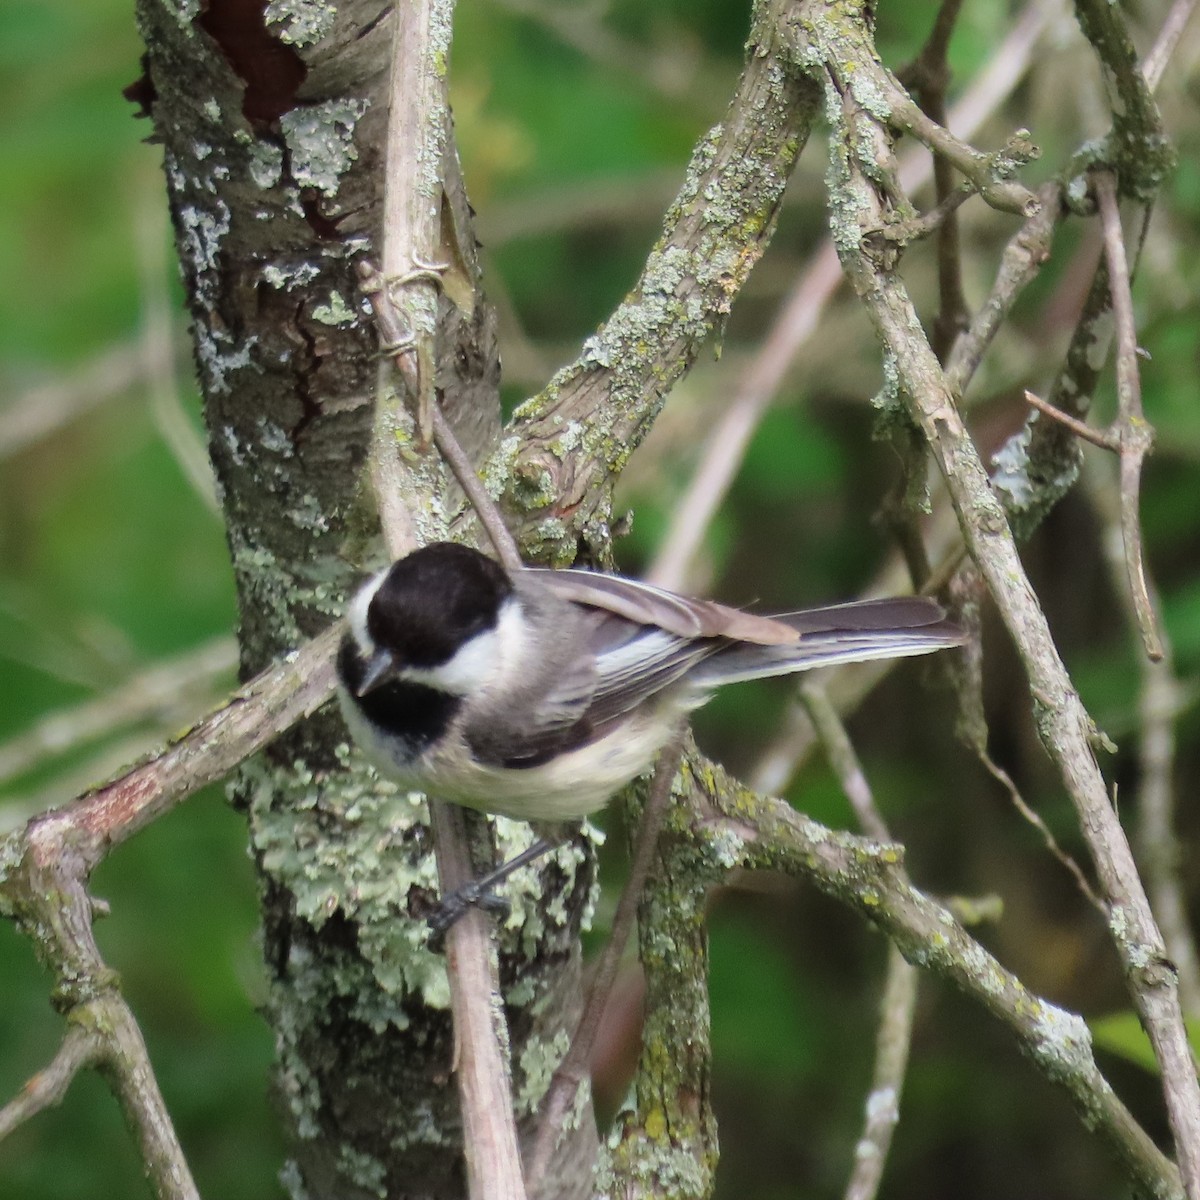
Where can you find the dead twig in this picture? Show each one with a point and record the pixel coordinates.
(570, 1073)
(799, 315)
(897, 1010)
(404, 296)
(1134, 435)
(1064, 724)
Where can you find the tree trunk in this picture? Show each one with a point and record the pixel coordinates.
(272, 137)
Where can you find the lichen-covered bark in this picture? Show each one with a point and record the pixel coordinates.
(565, 448)
(271, 119)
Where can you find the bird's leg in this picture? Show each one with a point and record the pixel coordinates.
(479, 893)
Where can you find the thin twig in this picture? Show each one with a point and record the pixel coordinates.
(568, 1076)
(476, 493)
(405, 300)
(897, 1010)
(1039, 464)
(1027, 250)
(165, 687)
(983, 170)
(480, 1066)
(929, 76)
(799, 315)
(1155, 63)
(1098, 437)
(1064, 724)
(47, 1088)
(898, 1006)
(1002, 777)
(842, 758)
(1134, 434)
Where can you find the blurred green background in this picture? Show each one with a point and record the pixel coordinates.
(575, 121)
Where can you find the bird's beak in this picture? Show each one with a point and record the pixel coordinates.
(380, 667)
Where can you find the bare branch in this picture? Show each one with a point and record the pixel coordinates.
(405, 303)
(987, 173)
(1155, 63)
(169, 687)
(565, 447)
(870, 877)
(1066, 730)
(1038, 465)
(570, 1073)
(1098, 437)
(1139, 147)
(1023, 257)
(256, 713)
(476, 493)
(48, 1087)
(896, 1012)
(480, 1034)
(799, 316)
(929, 78)
(1133, 433)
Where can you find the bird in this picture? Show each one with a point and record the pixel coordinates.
(537, 694)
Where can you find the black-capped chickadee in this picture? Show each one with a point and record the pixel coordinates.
(537, 694)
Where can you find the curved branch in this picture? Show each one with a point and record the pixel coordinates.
(741, 828)
(1066, 729)
(565, 447)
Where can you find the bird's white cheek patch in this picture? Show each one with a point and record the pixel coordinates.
(356, 613)
(482, 661)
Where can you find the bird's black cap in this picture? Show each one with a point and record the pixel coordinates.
(434, 600)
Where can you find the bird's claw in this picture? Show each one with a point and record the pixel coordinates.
(455, 905)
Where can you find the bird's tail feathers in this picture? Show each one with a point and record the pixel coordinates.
(857, 632)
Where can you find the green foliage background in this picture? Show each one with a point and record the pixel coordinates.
(110, 560)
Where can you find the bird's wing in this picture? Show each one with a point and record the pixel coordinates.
(635, 662)
(645, 604)
(605, 663)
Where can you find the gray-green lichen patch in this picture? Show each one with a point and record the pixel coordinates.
(218, 355)
(300, 22)
(1010, 473)
(185, 12)
(265, 164)
(308, 513)
(345, 849)
(320, 138)
(362, 1169)
(531, 911)
(538, 1061)
(1061, 1039)
(203, 221)
(287, 276)
(277, 591)
(272, 437)
(337, 312)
